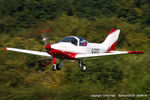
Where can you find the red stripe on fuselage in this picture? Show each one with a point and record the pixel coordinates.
(62, 54)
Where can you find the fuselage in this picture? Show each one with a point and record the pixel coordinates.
(68, 47)
(90, 48)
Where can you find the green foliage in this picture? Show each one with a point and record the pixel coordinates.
(24, 13)
(20, 22)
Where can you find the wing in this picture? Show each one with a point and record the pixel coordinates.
(78, 56)
(29, 51)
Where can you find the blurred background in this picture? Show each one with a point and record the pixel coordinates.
(23, 77)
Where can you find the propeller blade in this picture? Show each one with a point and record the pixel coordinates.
(44, 35)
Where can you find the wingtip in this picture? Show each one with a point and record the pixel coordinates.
(5, 48)
(140, 52)
(135, 52)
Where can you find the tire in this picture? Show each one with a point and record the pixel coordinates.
(57, 67)
(54, 67)
(83, 67)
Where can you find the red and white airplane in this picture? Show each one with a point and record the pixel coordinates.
(77, 48)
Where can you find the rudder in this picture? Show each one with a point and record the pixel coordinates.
(111, 40)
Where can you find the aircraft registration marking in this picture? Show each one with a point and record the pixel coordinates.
(95, 50)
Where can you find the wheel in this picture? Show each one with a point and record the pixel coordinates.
(83, 67)
(54, 67)
(58, 67)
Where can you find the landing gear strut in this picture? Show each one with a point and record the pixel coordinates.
(82, 66)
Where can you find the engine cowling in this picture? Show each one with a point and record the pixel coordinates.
(48, 48)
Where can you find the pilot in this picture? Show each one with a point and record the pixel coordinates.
(84, 43)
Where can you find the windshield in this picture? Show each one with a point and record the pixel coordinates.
(83, 42)
(69, 39)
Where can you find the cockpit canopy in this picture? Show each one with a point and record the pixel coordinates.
(77, 41)
(82, 42)
(70, 39)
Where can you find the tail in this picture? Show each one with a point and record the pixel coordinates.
(111, 40)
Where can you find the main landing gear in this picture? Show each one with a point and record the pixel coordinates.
(82, 66)
(57, 66)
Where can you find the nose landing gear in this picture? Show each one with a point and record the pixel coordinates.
(57, 66)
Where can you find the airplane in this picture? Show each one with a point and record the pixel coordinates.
(77, 48)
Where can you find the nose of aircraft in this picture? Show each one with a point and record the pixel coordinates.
(48, 48)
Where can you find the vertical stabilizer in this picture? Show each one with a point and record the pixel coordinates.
(111, 40)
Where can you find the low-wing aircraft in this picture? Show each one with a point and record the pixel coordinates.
(77, 48)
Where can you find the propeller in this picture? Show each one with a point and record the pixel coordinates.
(44, 35)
